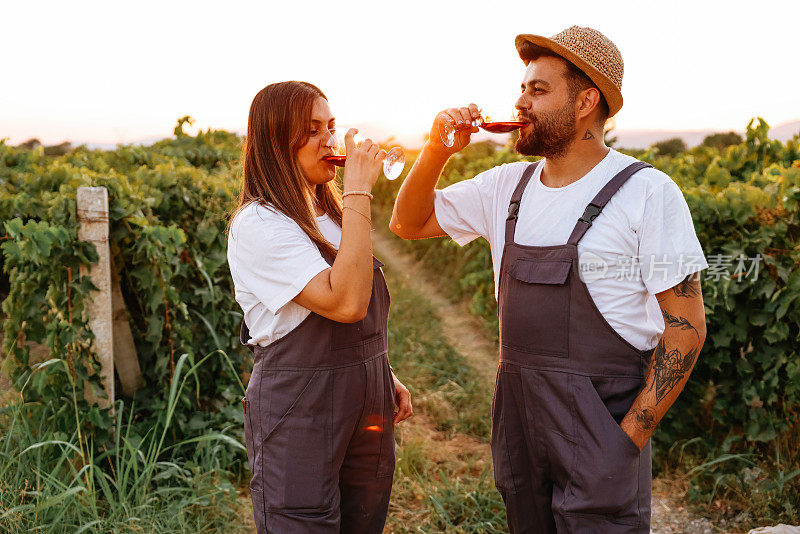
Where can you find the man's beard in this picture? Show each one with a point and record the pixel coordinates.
(551, 134)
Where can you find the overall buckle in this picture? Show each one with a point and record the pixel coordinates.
(591, 213)
(513, 209)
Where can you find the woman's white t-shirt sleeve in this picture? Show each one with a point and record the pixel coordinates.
(669, 250)
(464, 210)
(274, 258)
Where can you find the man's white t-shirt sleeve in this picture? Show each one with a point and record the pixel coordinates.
(276, 260)
(669, 250)
(464, 210)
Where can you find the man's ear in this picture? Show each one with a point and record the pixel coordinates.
(588, 99)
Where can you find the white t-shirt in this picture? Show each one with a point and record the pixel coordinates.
(271, 260)
(642, 243)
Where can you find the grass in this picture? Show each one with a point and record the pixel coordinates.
(732, 484)
(443, 485)
(61, 483)
(441, 380)
(443, 479)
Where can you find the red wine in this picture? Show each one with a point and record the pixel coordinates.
(502, 127)
(336, 160)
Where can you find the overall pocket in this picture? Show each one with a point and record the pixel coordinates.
(509, 442)
(606, 471)
(296, 448)
(534, 307)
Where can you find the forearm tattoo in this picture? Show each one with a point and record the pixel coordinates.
(669, 368)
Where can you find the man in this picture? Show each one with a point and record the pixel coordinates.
(597, 279)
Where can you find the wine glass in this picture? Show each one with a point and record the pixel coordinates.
(393, 163)
(448, 127)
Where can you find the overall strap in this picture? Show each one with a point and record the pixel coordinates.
(516, 198)
(596, 206)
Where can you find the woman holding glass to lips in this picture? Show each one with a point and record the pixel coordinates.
(319, 407)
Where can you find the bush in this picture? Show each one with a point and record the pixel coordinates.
(722, 140)
(168, 206)
(670, 147)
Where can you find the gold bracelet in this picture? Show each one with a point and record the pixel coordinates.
(369, 219)
(364, 193)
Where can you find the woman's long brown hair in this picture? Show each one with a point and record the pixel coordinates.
(277, 127)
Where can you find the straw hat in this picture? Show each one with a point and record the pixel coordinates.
(590, 51)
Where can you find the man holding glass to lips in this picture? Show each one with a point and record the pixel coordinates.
(588, 364)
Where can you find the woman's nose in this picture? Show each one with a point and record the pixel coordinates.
(330, 142)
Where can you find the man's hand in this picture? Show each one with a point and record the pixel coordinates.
(462, 119)
(673, 358)
(413, 216)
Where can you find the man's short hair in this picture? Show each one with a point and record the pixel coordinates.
(577, 80)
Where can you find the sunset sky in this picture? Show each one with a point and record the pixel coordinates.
(108, 72)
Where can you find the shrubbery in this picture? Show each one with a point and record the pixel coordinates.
(169, 204)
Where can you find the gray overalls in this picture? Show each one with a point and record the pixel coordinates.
(565, 381)
(318, 424)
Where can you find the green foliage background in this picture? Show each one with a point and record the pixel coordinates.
(168, 208)
(169, 204)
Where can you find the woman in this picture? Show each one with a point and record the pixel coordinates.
(319, 405)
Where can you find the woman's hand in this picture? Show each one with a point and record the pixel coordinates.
(362, 168)
(462, 118)
(402, 399)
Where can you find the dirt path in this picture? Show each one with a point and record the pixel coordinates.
(670, 515)
(462, 330)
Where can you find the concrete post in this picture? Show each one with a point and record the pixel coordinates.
(93, 219)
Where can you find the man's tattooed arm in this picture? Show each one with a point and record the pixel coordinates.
(672, 359)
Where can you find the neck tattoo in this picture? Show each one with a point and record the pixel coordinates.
(588, 135)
